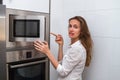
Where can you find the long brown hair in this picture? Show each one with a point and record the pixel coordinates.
(85, 37)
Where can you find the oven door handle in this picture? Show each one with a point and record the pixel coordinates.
(27, 64)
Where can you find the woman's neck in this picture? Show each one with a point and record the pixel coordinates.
(74, 40)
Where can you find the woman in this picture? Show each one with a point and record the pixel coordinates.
(78, 54)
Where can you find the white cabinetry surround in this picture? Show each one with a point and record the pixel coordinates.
(31, 5)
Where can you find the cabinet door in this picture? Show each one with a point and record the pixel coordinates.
(32, 5)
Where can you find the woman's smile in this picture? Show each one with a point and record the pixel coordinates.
(71, 34)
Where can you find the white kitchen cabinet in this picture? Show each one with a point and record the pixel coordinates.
(31, 5)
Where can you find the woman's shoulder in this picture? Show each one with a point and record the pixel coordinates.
(78, 46)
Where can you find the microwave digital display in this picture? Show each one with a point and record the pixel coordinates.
(26, 28)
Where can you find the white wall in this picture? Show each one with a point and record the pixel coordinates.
(56, 27)
(103, 18)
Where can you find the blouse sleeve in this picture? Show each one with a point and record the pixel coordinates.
(70, 61)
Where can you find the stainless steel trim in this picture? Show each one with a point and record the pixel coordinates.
(2, 43)
(27, 64)
(2, 27)
(7, 76)
(47, 70)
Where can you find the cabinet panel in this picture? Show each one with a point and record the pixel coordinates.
(32, 5)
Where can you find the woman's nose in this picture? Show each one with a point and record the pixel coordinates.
(71, 28)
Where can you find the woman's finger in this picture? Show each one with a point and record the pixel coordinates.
(39, 48)
(54, 34)
(45, 42)
(38, 43)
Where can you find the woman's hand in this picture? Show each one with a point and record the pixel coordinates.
(59, 38)
(42, 47)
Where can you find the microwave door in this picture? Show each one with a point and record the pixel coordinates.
(27, 28)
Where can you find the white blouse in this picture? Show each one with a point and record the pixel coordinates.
(73, 63)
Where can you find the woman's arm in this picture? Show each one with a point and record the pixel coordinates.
(53, 60)
(60, 42)
(60, 52)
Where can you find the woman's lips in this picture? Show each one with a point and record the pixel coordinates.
(71, 34)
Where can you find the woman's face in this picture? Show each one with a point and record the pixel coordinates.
(74, 29)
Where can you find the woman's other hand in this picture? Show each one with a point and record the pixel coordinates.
(59, 38)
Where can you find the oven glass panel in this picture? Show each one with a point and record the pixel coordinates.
(26, 28)
(33, 72)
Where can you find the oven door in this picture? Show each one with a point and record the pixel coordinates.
(35, 70)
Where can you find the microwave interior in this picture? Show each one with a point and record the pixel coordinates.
(26, 28)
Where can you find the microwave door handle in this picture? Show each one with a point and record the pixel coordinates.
(27, 64)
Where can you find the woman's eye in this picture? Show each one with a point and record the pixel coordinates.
(75, 27)
(69, 26)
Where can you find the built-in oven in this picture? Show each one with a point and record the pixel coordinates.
(27, 65)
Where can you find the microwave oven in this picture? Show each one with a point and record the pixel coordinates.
(26, 28)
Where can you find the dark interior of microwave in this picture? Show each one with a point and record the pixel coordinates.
(26, 28)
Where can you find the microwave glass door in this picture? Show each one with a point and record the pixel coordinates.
(26, 28)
